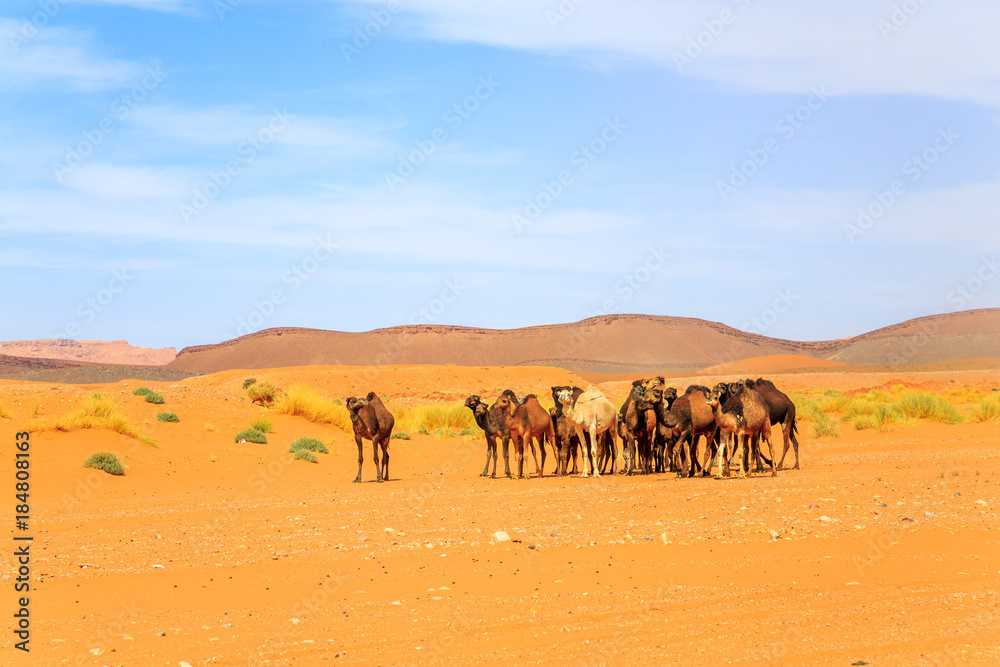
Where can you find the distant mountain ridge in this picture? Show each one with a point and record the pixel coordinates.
(605, 344)
(93, 351)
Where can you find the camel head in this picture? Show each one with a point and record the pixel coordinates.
(714, 397)
(506, 404)
(472, 401)
(563, 395)
(647, 393)
(354, 404)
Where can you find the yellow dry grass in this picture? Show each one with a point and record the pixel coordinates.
(97, 412)
(302, 401)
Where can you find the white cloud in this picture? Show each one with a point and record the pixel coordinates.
(169, 6)
(33, 58)
(946, 50)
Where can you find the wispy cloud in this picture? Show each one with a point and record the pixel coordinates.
(41, 58)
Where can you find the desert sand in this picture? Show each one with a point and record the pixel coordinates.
(211, 552)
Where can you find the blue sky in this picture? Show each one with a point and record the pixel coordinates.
(178, 172)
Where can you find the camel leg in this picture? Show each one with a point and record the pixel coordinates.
(385, 459)
(770, 450)
(719, 457)
(506, 455)
(628, 450)
(361, 459)
(519, 453)
(378, 466)
(574, 446)
(539, 469)
(486, 468)
(593, 441)
(613, 448)
(585, 448)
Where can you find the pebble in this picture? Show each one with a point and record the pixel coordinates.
(980, 502)
(929, 514)
(775, 535)
(826, 519)
(501, 536)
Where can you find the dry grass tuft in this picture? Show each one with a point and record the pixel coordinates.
(97, 412)
(302, 401)
(434, 416)
(4, 414)
(986, 410)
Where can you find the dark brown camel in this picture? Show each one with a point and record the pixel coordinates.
(745, 416)
(782, 411)
(491, 420)
(690, 417)
(372, 421)
(527, 421)
(637, 423)
(567, 442)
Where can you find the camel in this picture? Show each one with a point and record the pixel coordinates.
(782, 411)
(591, 410)
(690, 417)
(637, 424)
(567, 443)
(527, 421)
(372, 421)
(491, 420)
(745, 416)
(663, 444)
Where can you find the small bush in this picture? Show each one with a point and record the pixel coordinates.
(832, 403)
(142, 391)
(251, 435)
(97, 412)
(153, 397)
(400, 435)
(209, 426)
(825, 426)
(305, 455)
(466, 431)
(262, 424)
(422, 431)
(105, 461)
(310, 444)
(248, 382)
(4, 414)
(168, 417)
(986, 410)
(262, 392)
(924, 405)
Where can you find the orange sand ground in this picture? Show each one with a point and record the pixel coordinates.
(212, 552)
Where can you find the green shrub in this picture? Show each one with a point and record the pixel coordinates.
(251, 435)
(248, 382)
(262, 424)
(309, 444)
(153, 397)
(105, 461)
(924, 405)
(422, 431)
(305, 455)
(142, 391)
(823, 425)
(168, 417)
(400, 435)
(987, 409)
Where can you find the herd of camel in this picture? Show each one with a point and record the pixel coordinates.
(659, 430)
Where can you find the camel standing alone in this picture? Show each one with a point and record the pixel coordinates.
(588, 410)
(372, 421)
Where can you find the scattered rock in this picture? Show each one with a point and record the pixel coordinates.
(501, 536)
(813, 506)
(775, 535)
(980, 502)
(162, 633)
(826, 519)
(929, 514)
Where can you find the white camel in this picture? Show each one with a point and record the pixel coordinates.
(589, 411)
